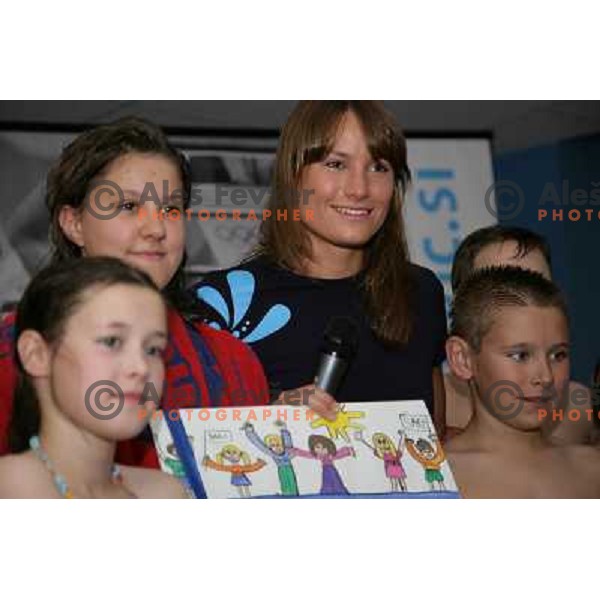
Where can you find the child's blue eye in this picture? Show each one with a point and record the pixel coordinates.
(111, 341)
(520, 356)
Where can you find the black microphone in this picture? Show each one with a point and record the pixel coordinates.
(337, 351)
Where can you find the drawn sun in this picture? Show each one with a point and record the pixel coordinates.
(341, 424)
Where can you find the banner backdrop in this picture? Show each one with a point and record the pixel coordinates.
(452, 195)
(451, 178)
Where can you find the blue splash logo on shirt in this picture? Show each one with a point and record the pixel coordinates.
(242, 286)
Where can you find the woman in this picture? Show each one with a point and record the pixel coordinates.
(343, 166)
(117, 191)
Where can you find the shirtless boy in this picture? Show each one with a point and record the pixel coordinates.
(510, 341)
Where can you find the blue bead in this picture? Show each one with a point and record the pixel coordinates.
(61, 485)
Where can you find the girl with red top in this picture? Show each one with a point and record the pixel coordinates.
(117, 191)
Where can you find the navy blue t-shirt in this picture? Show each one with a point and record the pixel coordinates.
(283, 316)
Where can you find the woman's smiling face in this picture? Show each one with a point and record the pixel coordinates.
(348, 191)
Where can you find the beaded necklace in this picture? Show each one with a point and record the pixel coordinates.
(59, 481)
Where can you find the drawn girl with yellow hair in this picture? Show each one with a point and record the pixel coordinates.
(277, 447)
(240, 464)
(384, 448)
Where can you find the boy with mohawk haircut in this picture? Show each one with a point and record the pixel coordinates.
(510, 341)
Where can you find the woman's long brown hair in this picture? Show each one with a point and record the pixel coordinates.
(307, 137)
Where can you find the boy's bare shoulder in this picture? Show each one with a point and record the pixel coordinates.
(152, 483)
(581, 469)
(471, 467)
(550, 472)
(23, 476)
(583, 457)
(460, 444)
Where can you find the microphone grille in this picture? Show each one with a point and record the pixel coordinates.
(341, 335)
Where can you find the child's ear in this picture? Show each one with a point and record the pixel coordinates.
(458, 353)
(69, 219)
(34, 353)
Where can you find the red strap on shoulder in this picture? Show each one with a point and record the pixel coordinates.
(8, 377)
(244, 377)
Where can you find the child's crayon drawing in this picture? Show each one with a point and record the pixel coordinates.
(426, 450)
(340, 425)
(321, 448)
(171, 461)
(278, 447)
(236, 461)
(382, 449)
(429, 453)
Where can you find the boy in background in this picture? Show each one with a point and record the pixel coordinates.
(495, 246)
(510, 342)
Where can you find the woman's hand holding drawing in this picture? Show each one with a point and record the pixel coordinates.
(317, 400)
